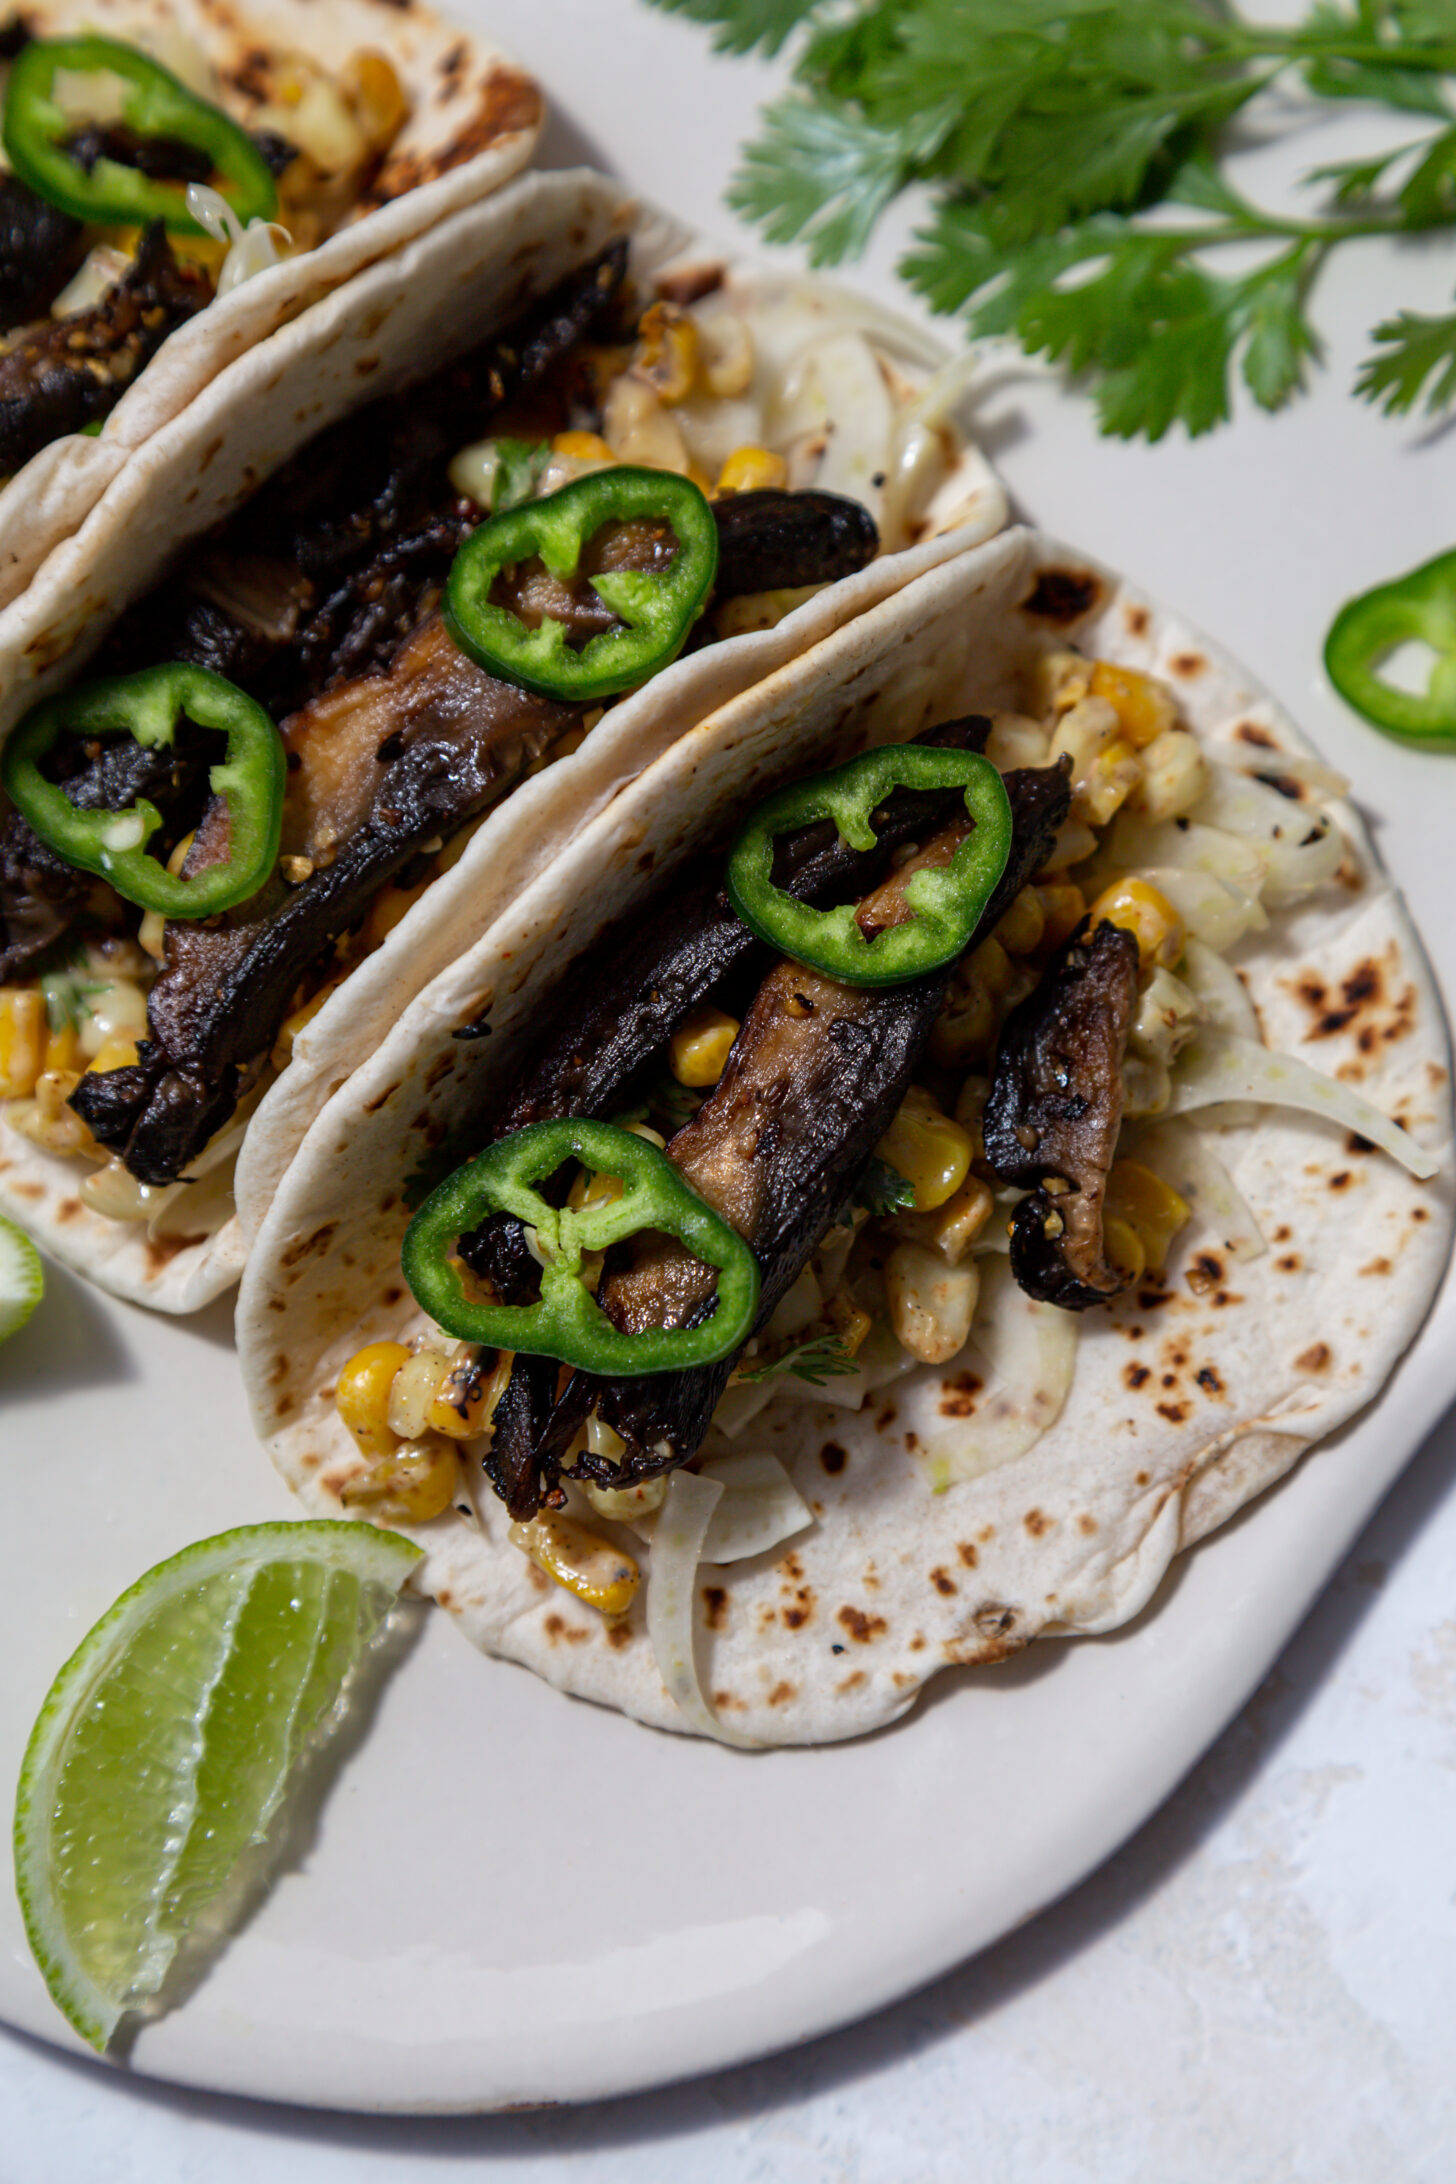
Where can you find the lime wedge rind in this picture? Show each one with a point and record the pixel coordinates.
(102, 1956)
(22, 1278)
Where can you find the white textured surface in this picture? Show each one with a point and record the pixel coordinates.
(1260, 1985)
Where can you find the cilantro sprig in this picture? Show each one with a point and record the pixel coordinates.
(1071, 149)
(820, 1358)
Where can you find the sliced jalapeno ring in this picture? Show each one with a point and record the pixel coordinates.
(112, 844)
(566, 1322)
(947, 901)
(656, 608)
(154, 104)
(1367, 630)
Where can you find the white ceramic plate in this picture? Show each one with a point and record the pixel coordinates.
(515, 1898)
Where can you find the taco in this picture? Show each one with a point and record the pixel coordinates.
(549, 356)
(1068, 1243)
(319, 140)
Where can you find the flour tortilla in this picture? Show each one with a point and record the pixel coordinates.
(837, 1634)
(474, 121)
(441, 295)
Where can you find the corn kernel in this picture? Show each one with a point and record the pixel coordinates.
(22, 1040)
(931, 1304)
(1062, 909)
(1106, 783)
(1082, 733)
(965, 1027)
(955, 1226)
(1059, 680)
(626, 1504)
(1140, 1197)
(411, 1392)
(362, 1396)
(698, 1052)
(582, 447)
(377, 97)
(587, 1565)
(463, 1401)
(1015, 740)
(1142, 909)
(638, 429)
(931, 1151)
(666, 356)
(411, 1484)
(152, 934)
(115, 1053)
(1074, 844)
(1174, 776)
(1020, 929)
(725, 353)
(63, 1048)
(1122, 1247)
(848, 1322)
(1144, 707)
(753, 470)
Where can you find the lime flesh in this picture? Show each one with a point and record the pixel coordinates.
(165, 1745)
(22, 1280)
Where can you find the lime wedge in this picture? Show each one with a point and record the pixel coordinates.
(165, 1744)
(22, 1280)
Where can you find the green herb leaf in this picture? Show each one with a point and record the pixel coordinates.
(882, 1189)
(68, 995)
(743, 24)
(1417, 350)
(519, 464)
(821, 1358)
(823, 175)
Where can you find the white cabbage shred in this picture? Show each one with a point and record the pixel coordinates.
(761, 1507)
(1029, 1351)
(677, 1549)
(1218, 1067)
(1182, 1156)
(263, 243)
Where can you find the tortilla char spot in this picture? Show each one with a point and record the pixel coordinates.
(392, 1295)
(833, 1458)
(303, 1246)
(1420, 1213)
(958, 1396)
(987, 1531)
(1316, 1359)
(782, 1693)
(912, 1442)
(442, 1067)
(968, 1554)
(1225, 1297)
(995, 1621)
(619, 1634)
(863, 1629)
(886, 1419)
(1149, 1300)
(162, 1250)
(372, 1107)
(724, 1700)
(800, 1613)
(1086, 1524)
(25, 1189)
(1354, 1143)
(647, 860)
(1188, 665)
(1282, 1234)
(942, 1580)
(1170, 1380)
(1249, 731)
(68, 1209)
(538, 1579)
(791, 1567)
(852, 1681)
(1341, 1180)
(1143, 1478)
(1062, 595)
(715, 1606)
(1376, 1266)
(506, 104)
(1135, 621)
(1175, 1413)
(1209, 1381)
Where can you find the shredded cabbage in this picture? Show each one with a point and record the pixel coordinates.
(1301, 847)
(760, 1506)
(1214, 911)
(677, 1549)
(1250, 761)
(836, 388)
(252, 250)
(1030, 1353)
(1183, 1157)
(1226, 1003)
(1217, 1068)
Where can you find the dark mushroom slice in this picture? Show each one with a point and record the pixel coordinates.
(385, 766)
(1054, 1112)
(40, 248)
(63, 374)
(165, 159)
(775, 541)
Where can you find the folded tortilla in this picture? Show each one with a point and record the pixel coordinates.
(928, 1546)
(440, 296)
(473, 123)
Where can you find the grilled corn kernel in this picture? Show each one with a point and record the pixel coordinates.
(965, 1027)
(1074, 844)
(116, 1053)
(1144, 706)
(1174, 776)
(954, 1229)
(591, 1189)
(1059, 681)
(411, 1484)
(587, 1565)
(1015, 740)
(362, 1396)
(1140, 1197)
(1020, 929)
(63, 1048)
(117, 1011)
(638, 429)
(698, 1053)
(931, 1151)
(725, 353)
(412, 1391)
(152, 934)
(115, 1191)
(1062, 909)
(626, 1504)
(464, 1400)
(666, 356)
(582, 447)
(1082, 733)
(1106, 783)
(753, 470)
(22, 1040)
(1122, 1247)
(931, 1304)
(848, 1322)
(1143, 910)
(377, 97)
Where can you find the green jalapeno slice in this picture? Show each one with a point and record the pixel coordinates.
(112, 844)
(566, 1322)
(947, 902)
(656, 607)
(154, 104)
(1367, 630)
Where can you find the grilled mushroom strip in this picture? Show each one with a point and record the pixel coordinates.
(618, 1015)
(63, 374)
(40, 246)
(771, 541)
(1054, 1111)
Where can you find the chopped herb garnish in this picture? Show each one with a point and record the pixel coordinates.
(519, 464)
(68, 995)
(882, 1189)
(822, 1358)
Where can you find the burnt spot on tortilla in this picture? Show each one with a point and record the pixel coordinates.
(799, 1611)
(1150, 1299)
(782, 1693)
(863, 1629)
(958, 1395)
(381, 1099)
(791, 1567)
(303, 1246)
(1143, 1478)
(1208, 1380)
(726, 1701)
(1038, 1523)
(833, 1458)
(968, 1554)
(1249, 731)
(1282, 1234)
(715, 1606)
(1369, 1004)
(1205, 1273)
(443, 1066)
(1376, 1266)
(1289, 1262)
(1086, 1524)
(1418, 1213)
(886, 1418)
(68, 1209)
(392, 1295)
(1175, 1413)
(1286, 786)
(1316, 1359)
(556, 1628)
(942, 1580)
(1188, 666)
(995, 1621)
(1063, 595)
(1135, 621)
(912, 1443)
(619, 1634)
(1354, 1143)
(537, 1579)
(852, 1681)
(1341, 1180)
(162, 1250)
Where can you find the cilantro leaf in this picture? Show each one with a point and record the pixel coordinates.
(823, 174)
(1418, 350)
(882, 1189)
(68, 995)
(821, 1358)
(519, 464)
(1280, 337)
(743, 24)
